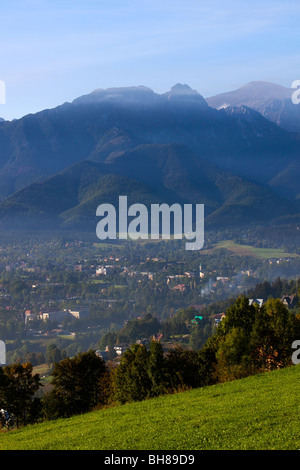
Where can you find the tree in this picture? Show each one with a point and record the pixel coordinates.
(53, 354)
(3, 388)
(132, 381)
(156, 368)
(76, 384)
(233, 359)
(239, 315)
(182, 368)
(273, 333)
(17, 390)
(207, 359)
(200, 334)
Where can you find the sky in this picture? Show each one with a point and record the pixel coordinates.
(53, 51)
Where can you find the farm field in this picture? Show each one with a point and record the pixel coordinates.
(247, 250)
(257, 413)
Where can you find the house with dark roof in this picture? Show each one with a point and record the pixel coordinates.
(290, 301)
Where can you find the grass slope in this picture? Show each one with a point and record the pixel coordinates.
(259, 412)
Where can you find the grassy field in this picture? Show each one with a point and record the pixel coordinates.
(260, 412)
(247, 250)
(44, 371)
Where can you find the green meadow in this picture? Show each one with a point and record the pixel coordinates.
(247, 250)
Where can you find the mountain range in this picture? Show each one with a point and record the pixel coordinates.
(58, 165)
(273, 101)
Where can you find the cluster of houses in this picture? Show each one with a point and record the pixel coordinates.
(57, 315)
(119, 349)
(180, 288)
(290, 301)
(105, 270)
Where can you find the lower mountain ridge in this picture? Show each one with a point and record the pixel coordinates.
(146, 174)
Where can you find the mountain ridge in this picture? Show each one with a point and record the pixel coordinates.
(273, 101)
(148, 174)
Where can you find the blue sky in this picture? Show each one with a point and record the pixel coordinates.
(53, 51)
